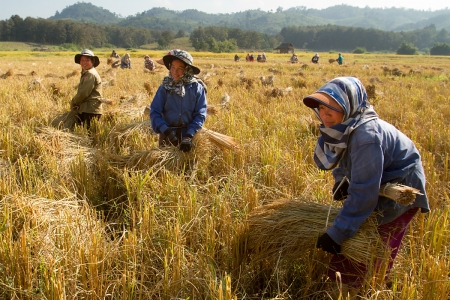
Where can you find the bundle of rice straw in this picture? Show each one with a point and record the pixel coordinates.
(221, 140)
(289, 228)
(66, 120)
(169, 157)
(402, 194)
(117, 136)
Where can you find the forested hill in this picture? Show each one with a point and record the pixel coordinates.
(87, 12)
(271, 22)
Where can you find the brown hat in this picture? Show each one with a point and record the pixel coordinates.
(317, 98)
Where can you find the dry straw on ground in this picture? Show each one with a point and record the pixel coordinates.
(289, 228)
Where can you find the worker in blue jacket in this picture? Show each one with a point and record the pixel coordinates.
(178, 109)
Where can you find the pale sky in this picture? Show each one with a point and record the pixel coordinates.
(41, 9)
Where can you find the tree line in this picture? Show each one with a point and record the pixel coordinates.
(222, 39)
(57, 32)
(343, 38)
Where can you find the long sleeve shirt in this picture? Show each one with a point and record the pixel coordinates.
(89, 93)
(377, 153)
(171, 110)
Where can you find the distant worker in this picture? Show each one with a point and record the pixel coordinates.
(149, 64)
(315, 58)
(115, 59)
(114, 54)
(294, 58)
(261, 58)
(125, 62)
(236, 57)
(340, 59)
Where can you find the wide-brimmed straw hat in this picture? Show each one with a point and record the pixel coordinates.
(317, 98)
(89, 53)
(181, 55)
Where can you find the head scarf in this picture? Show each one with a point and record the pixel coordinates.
(350, 93)
(178, 86)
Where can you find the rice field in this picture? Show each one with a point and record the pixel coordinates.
(107, 215)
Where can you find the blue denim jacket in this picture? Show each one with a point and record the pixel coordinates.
(171, 110)
(376, 153)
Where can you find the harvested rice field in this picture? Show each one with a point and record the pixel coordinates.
(109, 215)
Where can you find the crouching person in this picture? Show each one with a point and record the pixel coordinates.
(369, 152)
(87, 101)
(178, 109)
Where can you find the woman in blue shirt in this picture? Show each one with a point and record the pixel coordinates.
(178, 109)
(364, 152)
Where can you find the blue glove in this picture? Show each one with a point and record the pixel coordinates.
(328, 244)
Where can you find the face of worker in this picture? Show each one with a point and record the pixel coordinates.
(329, 116)
(177, 69)
(86, 63)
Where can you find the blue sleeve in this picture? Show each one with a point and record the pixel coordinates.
(199, 115)
(366, 172)
(156, 111)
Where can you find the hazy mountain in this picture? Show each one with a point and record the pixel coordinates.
(389, 19)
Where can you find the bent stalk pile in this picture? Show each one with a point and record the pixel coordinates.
(289, 229)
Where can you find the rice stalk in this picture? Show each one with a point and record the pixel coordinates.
(401, 194)
(290, 227)
(223, 141)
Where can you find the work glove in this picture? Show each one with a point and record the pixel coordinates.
(340, 193)
(171, 136)
(186, 144)
(328, 244)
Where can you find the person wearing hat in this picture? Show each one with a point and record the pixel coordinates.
(178, 109)
(87, 101)
(315, 59)
(149, 63)
(364, 153)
